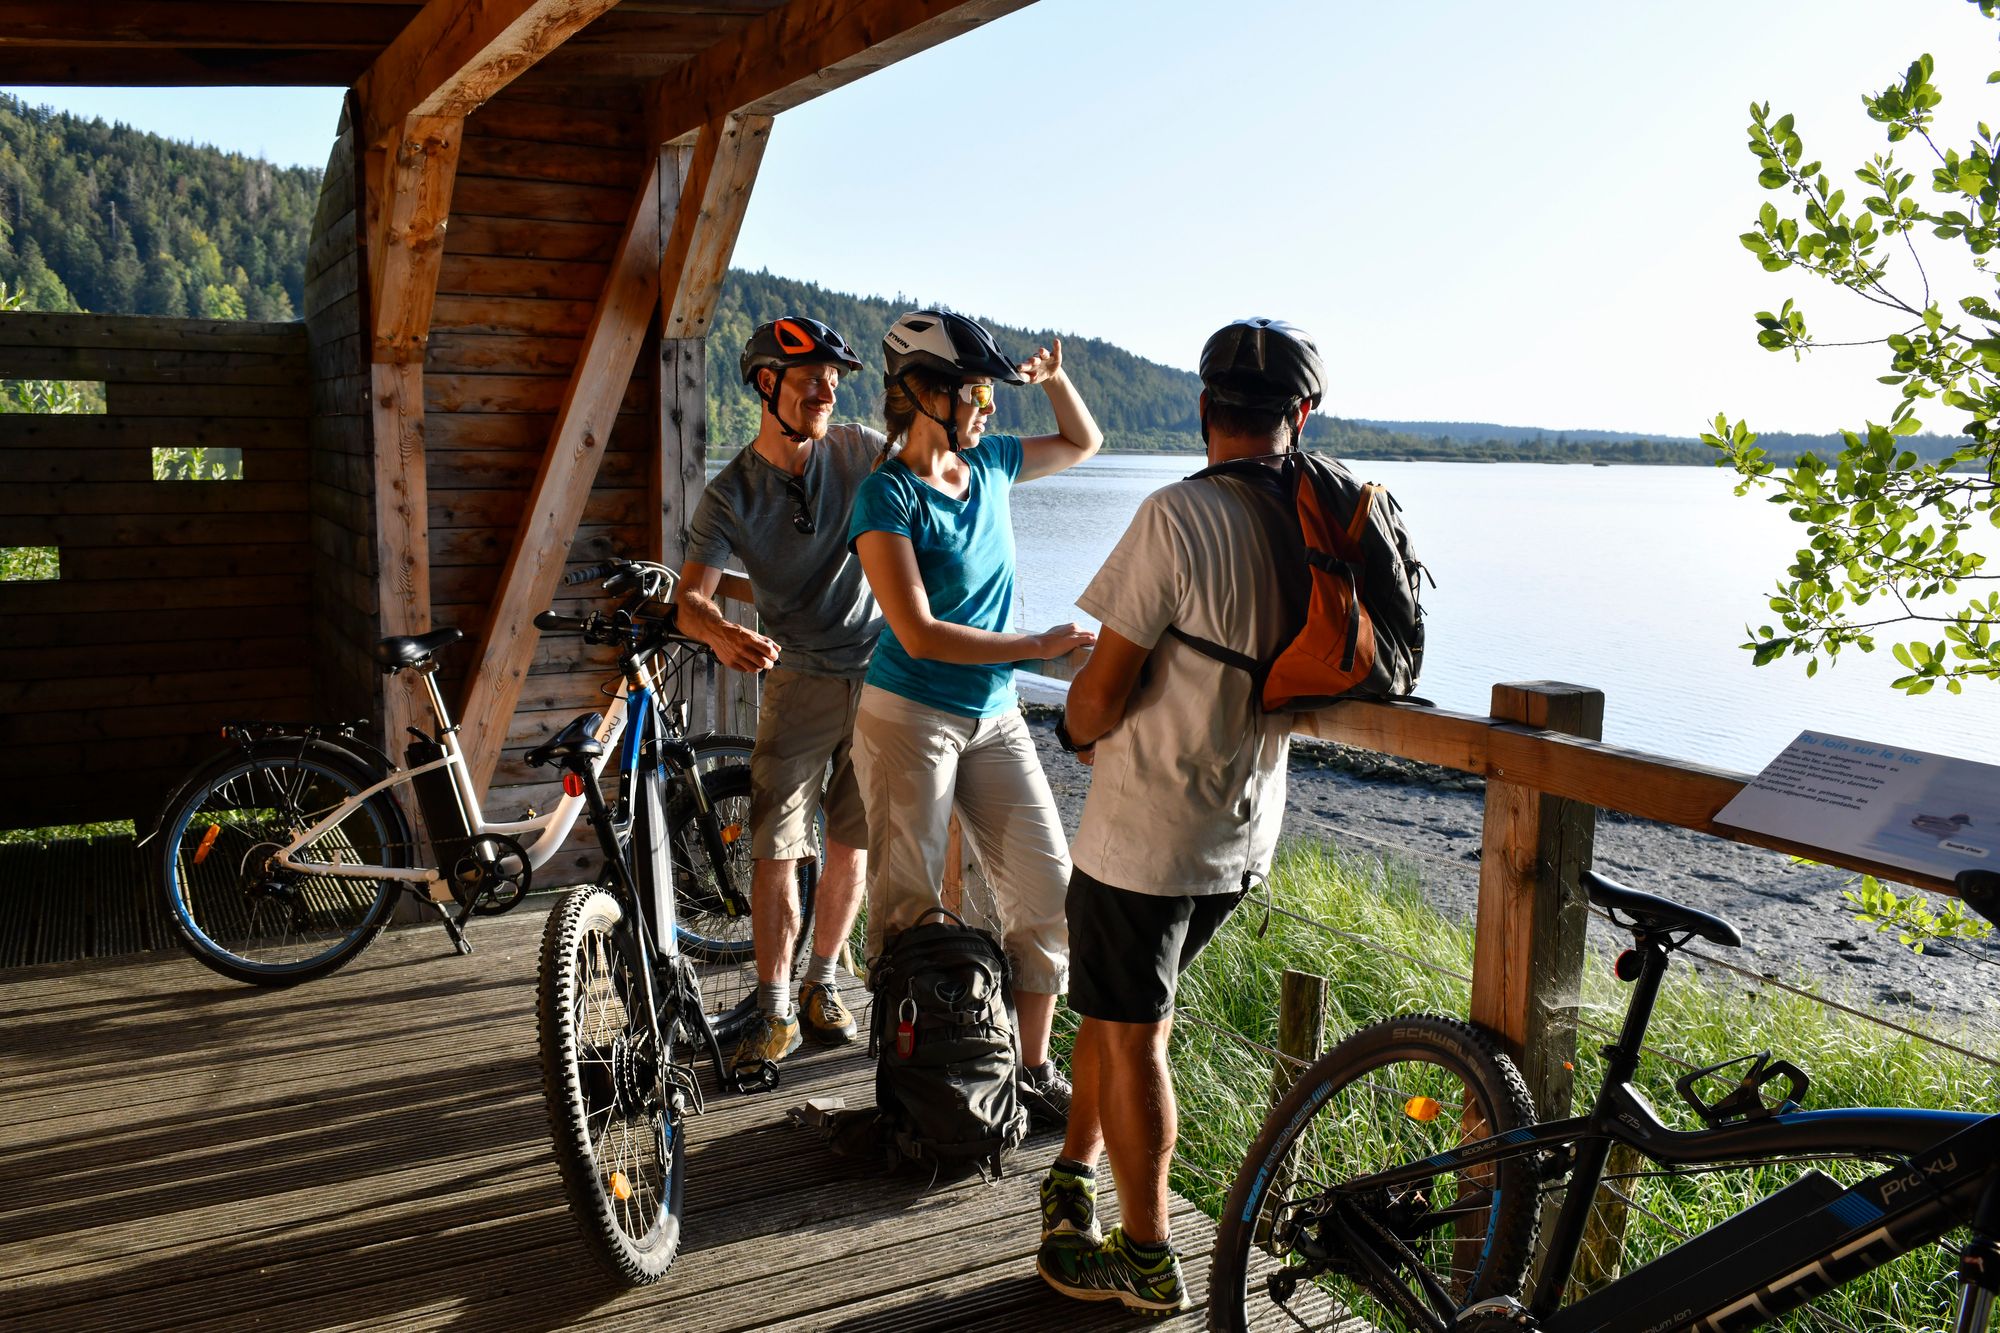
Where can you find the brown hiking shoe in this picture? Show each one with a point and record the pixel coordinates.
(824, 1015)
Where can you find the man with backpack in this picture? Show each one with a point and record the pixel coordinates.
(780, 508)
(1186, 797)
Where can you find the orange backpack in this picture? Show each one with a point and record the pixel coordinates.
(1351, 579)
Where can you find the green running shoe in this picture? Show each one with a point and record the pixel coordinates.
(1069, 1208)
(1112, 1272)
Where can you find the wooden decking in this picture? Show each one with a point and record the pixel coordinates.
(369, 1151)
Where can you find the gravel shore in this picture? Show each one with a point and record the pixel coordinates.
(1792, 917)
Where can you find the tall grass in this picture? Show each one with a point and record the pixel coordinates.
(1224, 1086)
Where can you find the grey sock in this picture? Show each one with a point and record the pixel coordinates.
(822, 970)
(775, 997)
(1038, 1074)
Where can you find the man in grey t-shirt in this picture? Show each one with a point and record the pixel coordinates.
(1187, 791)
(780, 510)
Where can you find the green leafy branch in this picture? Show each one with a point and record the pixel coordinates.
(1910, 915)
(1884, 526)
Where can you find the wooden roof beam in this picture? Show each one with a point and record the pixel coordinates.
(792, 55)
(455, 54)
(715, 194)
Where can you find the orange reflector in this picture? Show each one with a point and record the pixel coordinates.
(620, 1186)
(1422, 1108)
(730, 833)
(572, 784)
(207, 843)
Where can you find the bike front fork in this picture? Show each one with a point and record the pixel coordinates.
(1979, 1267)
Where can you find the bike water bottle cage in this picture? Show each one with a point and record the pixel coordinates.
(1653, 919)
(399, 652)
(1745, 1099)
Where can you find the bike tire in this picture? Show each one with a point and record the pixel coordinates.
(709, 931)
(260, 924)
(1354, 1112)
(620, 1155)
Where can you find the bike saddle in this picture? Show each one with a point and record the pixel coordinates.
(400, 651)
(1981, 891)
(572, 742)
(1656, 915)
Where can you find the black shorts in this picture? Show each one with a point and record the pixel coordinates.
(1127, 950)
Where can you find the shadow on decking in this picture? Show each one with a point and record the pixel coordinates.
(371, 1150)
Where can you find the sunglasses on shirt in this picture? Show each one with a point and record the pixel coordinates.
(802, 521)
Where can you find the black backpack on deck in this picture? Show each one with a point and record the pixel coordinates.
(942, 1033)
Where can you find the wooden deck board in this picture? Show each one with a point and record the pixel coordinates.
(370, 1152)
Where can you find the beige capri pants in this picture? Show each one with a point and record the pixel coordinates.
(914, 762)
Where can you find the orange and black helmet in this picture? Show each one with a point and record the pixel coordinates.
(795, 340)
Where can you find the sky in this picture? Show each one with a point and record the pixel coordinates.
(1522, 214)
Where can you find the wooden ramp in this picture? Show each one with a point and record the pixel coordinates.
(369, 1151)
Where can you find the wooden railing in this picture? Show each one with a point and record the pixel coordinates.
(1547, 774)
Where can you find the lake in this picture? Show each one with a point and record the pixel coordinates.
(1635, 580)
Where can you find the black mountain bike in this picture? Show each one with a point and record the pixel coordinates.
(618, 1002)
(1402, 1182)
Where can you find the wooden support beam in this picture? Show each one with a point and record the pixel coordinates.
(455, 54)
(798, 51)
(719, 173)
(408, 214)
(583, 423)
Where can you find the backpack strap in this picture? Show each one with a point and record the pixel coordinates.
(1210, 648)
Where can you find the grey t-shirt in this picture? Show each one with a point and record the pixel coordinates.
(1188, 790)
(811, 597)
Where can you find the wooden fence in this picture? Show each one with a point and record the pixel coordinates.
(1547, 775)
(177, 602)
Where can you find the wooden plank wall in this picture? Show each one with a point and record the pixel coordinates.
(180, 603)
(341, 508)
(545, 181)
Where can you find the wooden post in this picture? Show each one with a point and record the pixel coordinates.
(1527, 963)
(1301, 1035)
(1301, 1027)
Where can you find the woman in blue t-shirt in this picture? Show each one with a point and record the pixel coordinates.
(938, 722)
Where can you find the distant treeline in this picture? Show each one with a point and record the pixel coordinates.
(115, 220)
(111, 219)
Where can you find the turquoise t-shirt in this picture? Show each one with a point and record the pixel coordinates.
(965, 553)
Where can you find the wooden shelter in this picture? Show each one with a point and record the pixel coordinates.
(519, 243)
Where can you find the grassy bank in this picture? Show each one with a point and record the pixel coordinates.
(1224, 1086)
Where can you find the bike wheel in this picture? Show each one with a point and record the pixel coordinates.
(713, 910)
(1390, 1095)
(614, 1119)
(258, 922)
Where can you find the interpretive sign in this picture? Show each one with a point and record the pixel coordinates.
(1929, 813)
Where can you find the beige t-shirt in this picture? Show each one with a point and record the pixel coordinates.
(1188, 791)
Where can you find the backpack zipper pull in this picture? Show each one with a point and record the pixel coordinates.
(906, 1029)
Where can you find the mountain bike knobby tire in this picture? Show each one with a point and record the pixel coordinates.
(618, 1143)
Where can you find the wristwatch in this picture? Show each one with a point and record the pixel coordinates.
(1063, 737)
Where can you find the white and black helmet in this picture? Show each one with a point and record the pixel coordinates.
(946, 342)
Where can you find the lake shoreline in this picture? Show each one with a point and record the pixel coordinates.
(1793, 919)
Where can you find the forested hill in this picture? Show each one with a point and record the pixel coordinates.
(111, 219)
(114, 220)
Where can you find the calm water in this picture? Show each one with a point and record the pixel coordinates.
(1635, 580)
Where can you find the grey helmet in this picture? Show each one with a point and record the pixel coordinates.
(1262, 364)
(948, 343)
(792, 340)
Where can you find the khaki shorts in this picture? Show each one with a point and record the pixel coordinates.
(804, 723)
(915, 763)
